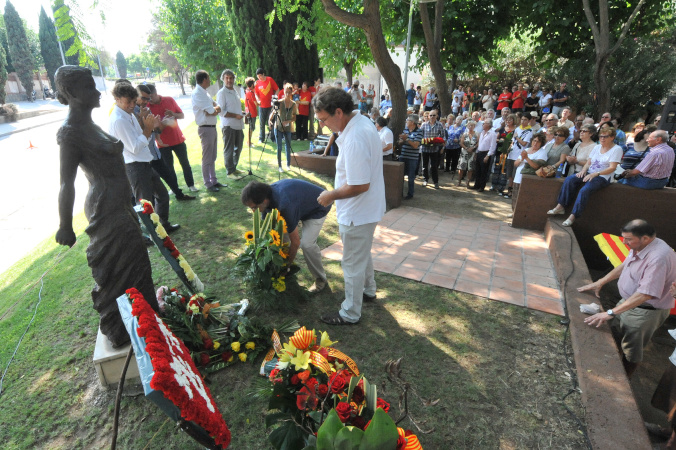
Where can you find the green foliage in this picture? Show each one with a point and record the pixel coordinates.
(138, 63)
(5, 44)
(70, 30)
(3, 74)
(22, 58)
(34, 45)
(49, 46)
(121, 63)
(635, 76)
(200, 33)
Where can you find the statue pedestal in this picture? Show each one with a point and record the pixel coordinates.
(110, 361)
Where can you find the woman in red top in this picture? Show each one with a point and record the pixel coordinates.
(303, 112)
(519, 98)
(505, 99)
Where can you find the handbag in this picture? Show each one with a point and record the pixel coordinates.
(546, 171)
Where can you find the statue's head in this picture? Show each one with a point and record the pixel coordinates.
(69, 81)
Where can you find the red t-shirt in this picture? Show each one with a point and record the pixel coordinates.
(304, 110)
(172, 134)
(517, 103)
(265, 90)
(503, 101)
(280, 94)
(313, 90)
(250, 103)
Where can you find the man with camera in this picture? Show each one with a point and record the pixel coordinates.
(232, 122)
(654, 170)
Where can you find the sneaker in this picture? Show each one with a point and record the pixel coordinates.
(436, 185)
(288, 167)
(193, 188)
(281, 170)
(424, 183)
(317, 286)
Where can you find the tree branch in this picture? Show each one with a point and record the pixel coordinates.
(348, 18)
(438, 23)
(626, 26)
(592, 20)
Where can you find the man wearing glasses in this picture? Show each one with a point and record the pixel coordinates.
(430, 152)
(359, 193)
(654, 170)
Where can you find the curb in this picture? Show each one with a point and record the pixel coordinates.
(30, 127)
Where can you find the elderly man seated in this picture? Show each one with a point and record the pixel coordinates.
(654, 171)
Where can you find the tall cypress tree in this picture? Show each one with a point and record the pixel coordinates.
(49, 46)
(3, 73)
(22, 59)
(277, 51)
(121, 62)
(5, 44)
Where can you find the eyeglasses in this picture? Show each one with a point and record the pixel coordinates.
(550, 120)
(145, 99)
(560, 135)
(432, 115)
(604, 136)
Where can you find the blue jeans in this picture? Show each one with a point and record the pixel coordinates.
(263, 116)
(410, 169)
(569, 190)
(641, 182)
(286, 136)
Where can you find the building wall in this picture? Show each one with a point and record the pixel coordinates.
(15, 91)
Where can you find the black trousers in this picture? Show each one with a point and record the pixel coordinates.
(483, 170)
(169, 176)
(181, 151)
(431, 164)
(452, 158)
(146, 184)
(301, 127)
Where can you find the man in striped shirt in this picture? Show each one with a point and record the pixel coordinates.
(409, 140)
(655, 169)
(430, 152)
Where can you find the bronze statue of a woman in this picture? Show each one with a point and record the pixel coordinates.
(116, 253)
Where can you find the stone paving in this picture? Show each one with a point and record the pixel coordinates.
(483, 257)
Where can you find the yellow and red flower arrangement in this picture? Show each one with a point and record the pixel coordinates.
(311, 382)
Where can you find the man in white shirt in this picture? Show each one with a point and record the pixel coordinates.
(497, 123)
(386, 138)
(359, 195)
(488, 142)
(232, 122)
(206, 110)
(145, 182)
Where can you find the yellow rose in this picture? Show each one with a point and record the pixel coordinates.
(235, 346)
(161, 232)
(250, 345)
(155, 218)
(216, 345)
(242, 357)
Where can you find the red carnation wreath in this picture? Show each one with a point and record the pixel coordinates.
(175, 373)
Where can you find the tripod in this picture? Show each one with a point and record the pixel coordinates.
(250, 173)
(278, 126)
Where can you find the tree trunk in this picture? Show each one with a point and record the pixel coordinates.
(433, 44)
(601, 85)
(369, 21)
(348, 65)
(179, 75)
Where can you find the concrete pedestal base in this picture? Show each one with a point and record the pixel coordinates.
(110, 361)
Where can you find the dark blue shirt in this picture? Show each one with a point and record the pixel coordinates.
(410, 96)
(296, 200)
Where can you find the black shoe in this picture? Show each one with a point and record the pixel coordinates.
(184, 197)
(169, 228)
(213, 189)
(369, 298)
(408, 197)
(220, 185)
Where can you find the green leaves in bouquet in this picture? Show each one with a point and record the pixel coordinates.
(381, 434)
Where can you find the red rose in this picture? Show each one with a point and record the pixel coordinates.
(182, 300)
(311, 383)
(337, 383)
(322, 390)
(295, 380)
(274, 372)
(359, 422)
(173, 290)
(175, 253)
(208, 343)
(358, 395)
(346, 374)
(147, 209)
(226, 356)
(344, 411)
(401, 443)
(204, 359)
(322, 351)
(306, 399)
(383, 404)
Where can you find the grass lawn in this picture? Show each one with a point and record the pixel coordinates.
(497, 369)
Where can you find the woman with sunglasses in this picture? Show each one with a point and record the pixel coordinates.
(595, 175)
(580, 154)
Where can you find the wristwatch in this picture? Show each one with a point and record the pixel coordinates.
(611, 313)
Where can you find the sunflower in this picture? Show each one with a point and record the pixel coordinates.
(275, 238)
(249, 235)
(284, 229)
(282, 254)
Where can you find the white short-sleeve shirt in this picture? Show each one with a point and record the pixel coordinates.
(360, 161)
(386, 137)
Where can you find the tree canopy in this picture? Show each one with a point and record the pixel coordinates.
(19, 48)
(49, 46)
(121, 63)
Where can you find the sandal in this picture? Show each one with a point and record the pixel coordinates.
(335, 319)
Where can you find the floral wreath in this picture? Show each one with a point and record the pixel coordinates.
(148, 210)
(175, 374)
